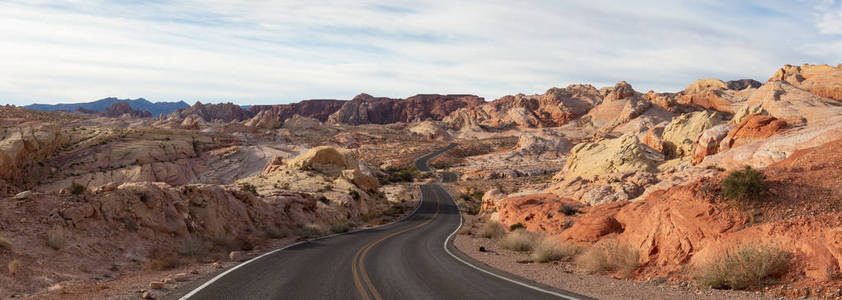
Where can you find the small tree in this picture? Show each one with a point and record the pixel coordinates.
(744, 185)
(248, 187)
(76, 188)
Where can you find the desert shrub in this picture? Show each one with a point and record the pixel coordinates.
(340, 228)
(56, 237)
(161, 262)
(519, 240)
(5, 244)
(76, 188)
(516, 226)
(744, 185)
(248, 187)
(743, 266)
(192, 246)
(324, 199)
(607, 256)
(491, 229)
(14, 267)
(274, 232)
(313, 230)
(568, 210)
(401, 174)
(354, 195)
(550, 250)
(143, 197)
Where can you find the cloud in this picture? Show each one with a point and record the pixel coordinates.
(278, 52)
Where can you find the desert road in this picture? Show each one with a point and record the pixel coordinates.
(410, 259)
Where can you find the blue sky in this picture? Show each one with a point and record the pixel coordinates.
(261, 52)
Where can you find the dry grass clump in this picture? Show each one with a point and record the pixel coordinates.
(160, 260)
(609, 256)
(311, 230)
(57, 238)
(491, 229)
(519, 240)
(340, 227)
(192, 246)
(551, 250)
(742, 266)
(5, 244)
(14, 267)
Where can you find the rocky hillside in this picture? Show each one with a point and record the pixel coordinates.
(317, 109)
(366, 109)
(222, 112)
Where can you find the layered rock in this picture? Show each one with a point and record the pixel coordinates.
(822, 80)
(542, 144)
(366, 109)
(624, 110)
(619, 155)
(122, 108)
(431, 130)
(709, 141)
(750, 128)
(793, 105)
(319, 109)
(680, 135)
(22, 147)
(264, 119)
(555, 107)
(222, 112)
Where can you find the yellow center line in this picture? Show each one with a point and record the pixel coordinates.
(360, 255)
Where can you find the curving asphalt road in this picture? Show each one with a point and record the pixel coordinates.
(410, 259)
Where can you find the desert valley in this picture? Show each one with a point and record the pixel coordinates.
(726, 185)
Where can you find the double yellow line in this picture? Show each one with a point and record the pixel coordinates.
(358, 263)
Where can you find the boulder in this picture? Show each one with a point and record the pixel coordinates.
(619, 155)
(681, 134)
(752, 127)
(708, 143)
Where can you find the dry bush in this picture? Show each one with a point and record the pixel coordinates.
(550, 250)
(76, 188)
(57, 237)
(519, 240)
(162, 260)
(491, 229)
(744, 185)
(608, 256)
(192, 246)
(340, 228)
(275, 232)
(311, 230)
(742, 266)
(14, 267)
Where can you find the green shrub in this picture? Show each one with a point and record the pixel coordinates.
(550, 250)
(519, 240)
(516, 226)
(76, 188)
(354, 195)
(607, 256)
(744, 185)
(741, 267)
(491, 229)
(568, 210)
(401, 174)
(248, 187)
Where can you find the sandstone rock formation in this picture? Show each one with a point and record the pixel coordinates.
(793, 105)
(543, 143)
(681, 134)
(223, 112)
(822, 80)
(366, 109)
(619, 155)
(555, 107)
(264, 119)
(119, 109)
(624, 110)
(317, 109)
(431, 130)
(750, 128)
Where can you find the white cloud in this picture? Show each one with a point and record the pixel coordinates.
(277, 52)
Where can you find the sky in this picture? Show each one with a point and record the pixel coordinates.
(272, 52)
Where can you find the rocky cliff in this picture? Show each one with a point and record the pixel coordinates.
(366, 109)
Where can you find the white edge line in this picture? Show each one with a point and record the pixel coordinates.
(217, 277)
(493, 274)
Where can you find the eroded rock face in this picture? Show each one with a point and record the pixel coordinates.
(366, 109)
(681, 134)
(536, 212)
(555, 107)
(223, 112)
(122, 108)
(624, 110)
(605, 189)
(619, 155)
(708, 143)
(793, 105)
(22, 146)
(317, 109)
(264, 119)
(431, 130)
(822, 80)
(750, 128)
(544, 143)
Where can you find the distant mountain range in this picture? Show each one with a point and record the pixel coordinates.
(141, 104)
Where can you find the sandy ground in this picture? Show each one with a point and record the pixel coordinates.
(561, 275)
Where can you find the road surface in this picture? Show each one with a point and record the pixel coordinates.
(410, 259)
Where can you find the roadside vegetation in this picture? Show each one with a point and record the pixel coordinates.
(470, 201)
(609, 256)
(400, 174)
(741, 267)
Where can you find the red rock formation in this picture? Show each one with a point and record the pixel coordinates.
(120, 108)
(224, 112)
(366, 109)
(822, 80)
(708, 143)
(317, 109)
(754, 126)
